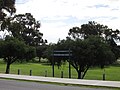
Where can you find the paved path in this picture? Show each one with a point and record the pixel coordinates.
(21, 85)
(64, 80)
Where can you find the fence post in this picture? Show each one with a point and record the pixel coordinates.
(30, 72)
(18, 71)
(45, 73)
(53, 72)
(61, 74)
(104, 74)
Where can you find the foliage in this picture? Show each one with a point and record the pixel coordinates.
(92, 51)
(24, 27)
(93, 28)
(11, 50)
(30, 54)
(87, 53)
(40, 51)
(83, 56)
(7, 5)
(96, 29)
(91, 45)
(48, 53)
(101, 42)
(103, 52)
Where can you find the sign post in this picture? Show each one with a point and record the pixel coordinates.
(69, 65)
(53, 67)
(61, 53)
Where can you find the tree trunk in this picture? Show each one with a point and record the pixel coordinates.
(85, 72)
(7, 68)
(39, 59)
(79, 74)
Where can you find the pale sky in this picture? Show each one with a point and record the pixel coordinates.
(58, 16)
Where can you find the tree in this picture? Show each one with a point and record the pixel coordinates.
(105, 50)
(93, 28)
(92, 51)
(82, 57)
(11, 50)
(7, 5)
(24, 27)
(30, 54)
(48, 53)
(40, 51)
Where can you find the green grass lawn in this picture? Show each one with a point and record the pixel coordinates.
(38, 69)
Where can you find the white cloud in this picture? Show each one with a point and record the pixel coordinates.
(53, 31)
(56, 14)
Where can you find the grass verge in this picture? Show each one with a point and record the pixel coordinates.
(38, 69)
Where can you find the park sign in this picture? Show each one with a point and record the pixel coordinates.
(62, 53)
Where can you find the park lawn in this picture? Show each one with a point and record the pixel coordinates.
(38, 69)
(112, 73)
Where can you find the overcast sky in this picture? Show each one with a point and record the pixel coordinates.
(58, 16)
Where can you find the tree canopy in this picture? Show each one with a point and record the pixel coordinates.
(23, 34)
(25, 27)
(12, 49)
(40, 51)
(93, 28)
(92, 51)
(100, 30)
(101, 42)
(7, 5)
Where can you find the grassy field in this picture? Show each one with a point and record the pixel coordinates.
(39, 69)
